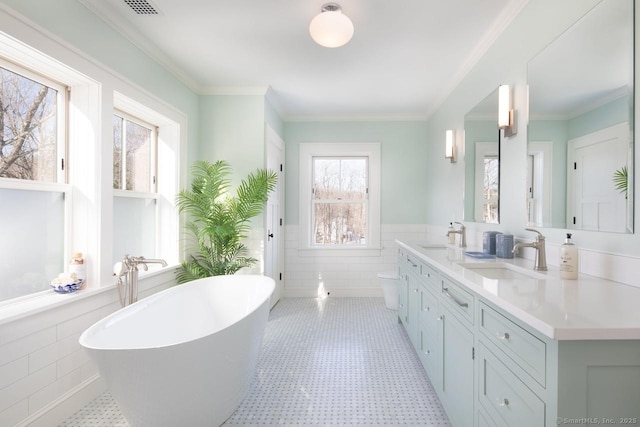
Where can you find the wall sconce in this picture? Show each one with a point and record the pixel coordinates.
(506, 115)
(450, 147)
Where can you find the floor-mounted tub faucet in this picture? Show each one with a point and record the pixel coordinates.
(129, 269)
(462, 231)
(539, 246)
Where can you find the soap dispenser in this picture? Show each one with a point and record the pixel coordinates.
(451, 235)
(568, 259)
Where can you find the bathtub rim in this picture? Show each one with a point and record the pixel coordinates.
(86, 334)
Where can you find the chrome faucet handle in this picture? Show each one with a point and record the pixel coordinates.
(461, 224)
(540, 236)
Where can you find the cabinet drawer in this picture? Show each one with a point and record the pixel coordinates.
(528, 351)
(429, 311)
(506, 399)
(429, 275)
(459, 299)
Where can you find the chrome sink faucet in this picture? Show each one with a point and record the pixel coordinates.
(539, 246)
(462, 231)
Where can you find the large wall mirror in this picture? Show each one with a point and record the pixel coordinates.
(482, 162)
(580, 132)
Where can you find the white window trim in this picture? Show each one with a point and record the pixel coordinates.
(153, 150)
(167, 160)
(361, 149)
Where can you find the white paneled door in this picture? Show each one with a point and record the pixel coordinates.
(274, 246)
(593, 159)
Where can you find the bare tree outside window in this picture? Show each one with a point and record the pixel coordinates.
(132, 147)
(490, 190)
(28, 128)
(340, 200)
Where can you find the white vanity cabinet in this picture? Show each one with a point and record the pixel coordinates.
(492, 368)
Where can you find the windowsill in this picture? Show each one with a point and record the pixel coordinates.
(28, 305)
(341, 252)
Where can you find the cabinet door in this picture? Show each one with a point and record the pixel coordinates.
(413, 310)
(457, 370)
(403, 301)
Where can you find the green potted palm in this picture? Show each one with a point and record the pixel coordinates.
(217, 222)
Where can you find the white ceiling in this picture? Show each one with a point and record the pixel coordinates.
(404, 59)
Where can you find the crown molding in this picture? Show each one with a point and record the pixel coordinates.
(499, 25)
(144, 45)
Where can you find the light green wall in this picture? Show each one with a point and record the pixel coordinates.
(75, 24)
(232, 129)
(403, 169)
(559, 132)
(272, 118)
(610, 114)
(555, 131)
(474, 131)
(505, 62)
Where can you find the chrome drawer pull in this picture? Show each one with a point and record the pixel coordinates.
(503, 335)
(415, 290)
(426, 309)
(428, 352)
(502, 402)
(440, 317)
(457, 301)
(401, 305)
(428, 274)
(411, 262)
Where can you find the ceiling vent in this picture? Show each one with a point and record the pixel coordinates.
(142, 7)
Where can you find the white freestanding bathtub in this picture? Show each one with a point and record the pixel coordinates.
(184, 356)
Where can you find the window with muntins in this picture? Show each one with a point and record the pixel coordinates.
(34, 195)
(339, 197)
(134, 183)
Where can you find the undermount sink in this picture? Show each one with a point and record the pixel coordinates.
(501, 271)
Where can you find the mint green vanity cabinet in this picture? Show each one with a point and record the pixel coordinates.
(409, 297)
(457, 389)
(504, 396)
(490, 368)
(430, 335)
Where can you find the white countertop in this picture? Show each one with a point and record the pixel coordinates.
(588, 308)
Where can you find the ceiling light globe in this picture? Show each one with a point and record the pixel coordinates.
(331, 29)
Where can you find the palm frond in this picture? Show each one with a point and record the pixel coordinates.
(620, 180)
(217, 223)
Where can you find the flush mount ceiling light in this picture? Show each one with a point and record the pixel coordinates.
(331, 28)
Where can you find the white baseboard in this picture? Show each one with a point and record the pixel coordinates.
(66, 405)
(337, 292)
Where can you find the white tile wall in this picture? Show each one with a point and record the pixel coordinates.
(43, 367)
(356, 275)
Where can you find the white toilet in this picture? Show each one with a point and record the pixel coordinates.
(389, 281)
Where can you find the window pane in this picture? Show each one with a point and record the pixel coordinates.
(340, 223)
(490, 189)
(28, 116)
(138, 159)
(134, 227)
(117, 152)
(340, 178)
(32, 229)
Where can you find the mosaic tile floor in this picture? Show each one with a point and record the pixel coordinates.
(335, 362)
